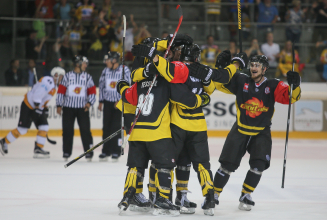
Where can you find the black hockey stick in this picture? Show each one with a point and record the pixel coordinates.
(51, 141)
(239, 13)
(180, 15)
(288, 120)
(93, 148)
(122, 103)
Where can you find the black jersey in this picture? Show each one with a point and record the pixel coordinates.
(255, 103)
(154, 120)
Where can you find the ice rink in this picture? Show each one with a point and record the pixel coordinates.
(32, 189)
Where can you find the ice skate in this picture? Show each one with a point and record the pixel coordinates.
(66, 156)
(246, 202)
(40, 153)
(208, 205)
(216, 199)
(3, 147)
(103, 157)
(88, 157)
(124, 203)
(164, 206)
(139, 203)
(114, 158)
(186, 206)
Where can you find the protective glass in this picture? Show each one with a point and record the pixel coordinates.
(255, 65)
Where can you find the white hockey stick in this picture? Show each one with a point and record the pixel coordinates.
(122, 61)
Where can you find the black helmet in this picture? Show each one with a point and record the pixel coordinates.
(112, 55)
(260, 59)
(190, 53)
(79, 59)
(150, 40)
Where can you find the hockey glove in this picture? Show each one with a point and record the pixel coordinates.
(200, 71)
(180, 39)
(120, 84)
(150, 70)
(205, 99)
(37, 113)
(142, 50)
(242, 59)
(293, 78)
(223, 59)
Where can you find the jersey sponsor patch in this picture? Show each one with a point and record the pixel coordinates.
(111, 84)
(254, 107)
(76, 90)
(246, 87)
(267, 90)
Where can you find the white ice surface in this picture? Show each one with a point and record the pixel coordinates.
(32, 189)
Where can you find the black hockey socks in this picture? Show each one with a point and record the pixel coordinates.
(221, 178)
(163, 180)
(152, 177)
(205, 179)
(133, 178)
(182, 176)
(251, 181)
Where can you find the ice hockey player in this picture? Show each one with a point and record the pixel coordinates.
(255, 99)
(76, 94)
(34, 109)
(108, 98)
(151, 136)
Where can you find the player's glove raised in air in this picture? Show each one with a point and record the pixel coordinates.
(142, 50)
(205, 99)
(120, 84)
(150, 70)
(200, 71)
(293, 78)
(223, 59)
(180, 39)
(242, 59)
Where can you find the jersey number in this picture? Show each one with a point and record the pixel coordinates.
(147, 108)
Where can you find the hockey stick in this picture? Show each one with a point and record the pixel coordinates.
(180, 15)
(122, 103)
(239, 13)
(35, 76)
(93, 148)
(288, 120)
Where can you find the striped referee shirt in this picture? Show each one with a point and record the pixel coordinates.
(108, 81)
(75, 90)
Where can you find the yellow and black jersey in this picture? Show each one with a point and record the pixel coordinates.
(255, 103)
(154, 121)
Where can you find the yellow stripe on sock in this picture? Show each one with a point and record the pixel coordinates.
(249, 187)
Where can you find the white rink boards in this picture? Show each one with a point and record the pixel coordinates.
(33, 189)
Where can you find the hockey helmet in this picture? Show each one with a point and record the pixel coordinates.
(191, 53)
(111, 55)
(80, 59)
(58, 70)
(262, 59)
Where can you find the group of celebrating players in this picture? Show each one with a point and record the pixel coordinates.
(171, 130)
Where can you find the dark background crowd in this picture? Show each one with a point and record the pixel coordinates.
(50, 32)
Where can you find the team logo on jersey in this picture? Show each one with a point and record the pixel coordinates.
(267, 90)
(112, 84)
(254, 107)
(246, 87)
(77, 90)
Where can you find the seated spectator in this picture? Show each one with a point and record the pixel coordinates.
(323, 62)
(32, 47)
(271, 50)
(142, 34)
(294, 17)
(29, 78)
(233, 48)
(286, 60)
(62, 10)
(209, 52)
(95, 51)
(254, 49)
(266, 14)
(85, 12)
(14, 75)
(75, 37)
(320, 11)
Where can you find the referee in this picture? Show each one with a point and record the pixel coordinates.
(108, 99)
(76, 94)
